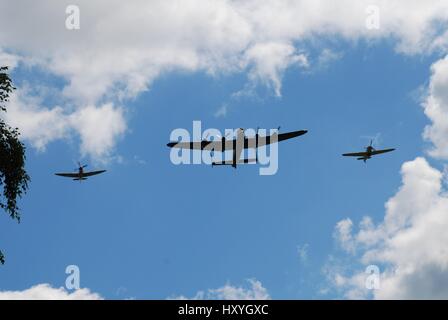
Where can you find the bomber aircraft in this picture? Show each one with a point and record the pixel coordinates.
(237, 145)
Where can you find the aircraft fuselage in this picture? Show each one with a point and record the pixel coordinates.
(368, 155)
(238, 145)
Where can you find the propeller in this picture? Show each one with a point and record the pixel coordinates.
(80, 166)
(370, 145)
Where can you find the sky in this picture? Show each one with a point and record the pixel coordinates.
(110, 93)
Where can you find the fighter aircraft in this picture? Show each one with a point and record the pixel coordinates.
(236, 145)
(370, 151)
(81, 174)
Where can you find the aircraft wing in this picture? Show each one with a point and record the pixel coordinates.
(262, 141)
(355, 154)
(290, 135)
(382, 151)
(68, 175)
(230, 162)
(92, 173)
(203, 145)
(219, 145)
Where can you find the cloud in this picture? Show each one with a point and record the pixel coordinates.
(97, 126)
(436, 109)
(302, 251)
(222, 111)
(343, 234)
(37, 124)
(409, 244)
(326, 57)
(255, 291)
(47, 292)
(9, 60)
(348, 283)
(270, 60)
(122, 48)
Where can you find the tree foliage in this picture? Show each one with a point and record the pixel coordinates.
(13, 176)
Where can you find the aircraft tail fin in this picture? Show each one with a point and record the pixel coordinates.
(248, 161)
(222, 163)
(230, 162)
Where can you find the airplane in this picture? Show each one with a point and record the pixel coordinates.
(237, 145)
(81, 174)
(370, 151)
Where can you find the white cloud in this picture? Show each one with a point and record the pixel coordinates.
(327, 56)
(98, 127)
(302, 251)
(350, 285)
(343, 234)
(47, 292)
(37, 124)
(410, 243)
(255, 291)
(270, 60)
(122, 47)
(436, 109)
(8, 60)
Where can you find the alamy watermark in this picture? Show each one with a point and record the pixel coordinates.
(73, 280)
(373, 277)
(73, 17)
(373, 17)
(232, 147)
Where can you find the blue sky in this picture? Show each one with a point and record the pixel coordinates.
(149, 229)
(109, 89)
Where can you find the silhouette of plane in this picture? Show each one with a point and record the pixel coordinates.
(81, 174)
(370, 151)
(236, 145)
